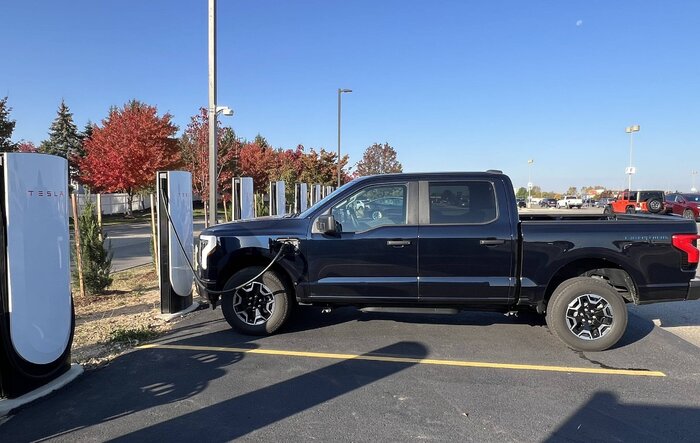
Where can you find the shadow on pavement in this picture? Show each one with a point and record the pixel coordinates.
(145, 379)
(249, 412)
(604, 418)
(134, 382)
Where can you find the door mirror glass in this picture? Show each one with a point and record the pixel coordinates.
(325, 224)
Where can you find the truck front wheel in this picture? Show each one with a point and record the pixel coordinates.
(258, 308)
(587, 314)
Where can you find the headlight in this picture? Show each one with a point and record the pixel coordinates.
(207, 245)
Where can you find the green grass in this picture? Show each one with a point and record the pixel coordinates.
(132, 336)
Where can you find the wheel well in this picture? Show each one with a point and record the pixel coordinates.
(608, 271)
(255, 257)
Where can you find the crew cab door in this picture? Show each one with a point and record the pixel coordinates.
(467, 243)
(375, 256)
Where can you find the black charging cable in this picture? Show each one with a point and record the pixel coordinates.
(194, 273)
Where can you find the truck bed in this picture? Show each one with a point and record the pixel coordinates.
(641, 245)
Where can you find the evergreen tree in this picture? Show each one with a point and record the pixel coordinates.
(6, 127)
(64, 139)
(84, 137)
(97, 262)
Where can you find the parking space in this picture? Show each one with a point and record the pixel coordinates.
(353, 376)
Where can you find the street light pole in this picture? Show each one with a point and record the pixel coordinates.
(340, 92)
(693, 173)
(529, 182)
(631, 170)
(212, 113)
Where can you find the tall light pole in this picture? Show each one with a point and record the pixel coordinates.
(630, 169)
(693, 173)
(212, 113)
(340, 93)
(529, 182)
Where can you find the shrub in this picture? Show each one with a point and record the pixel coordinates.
(97, 262)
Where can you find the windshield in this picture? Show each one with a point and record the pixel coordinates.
(692, 197)
(323, 201)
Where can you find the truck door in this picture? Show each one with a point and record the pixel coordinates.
(467, 243)
(375, 257)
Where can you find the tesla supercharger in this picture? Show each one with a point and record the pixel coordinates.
(316, 193)
(36, 313)
(175, 222)
(300, 197)
(277, 198)
(243, 200)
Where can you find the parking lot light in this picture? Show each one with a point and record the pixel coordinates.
(340, 92)
(529, 182)
(630, 169)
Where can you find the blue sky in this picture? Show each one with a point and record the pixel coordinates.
(452, 85)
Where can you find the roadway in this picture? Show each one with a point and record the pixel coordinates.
(353, 376)
(130, 244)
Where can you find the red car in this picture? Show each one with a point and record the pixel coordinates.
(684, 204)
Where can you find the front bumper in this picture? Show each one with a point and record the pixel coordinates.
(694, 290)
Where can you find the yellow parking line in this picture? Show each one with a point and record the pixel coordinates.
(422, 361)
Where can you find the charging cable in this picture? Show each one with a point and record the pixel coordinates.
(194, 273)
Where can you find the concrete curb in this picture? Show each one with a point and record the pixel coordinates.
(167, 317)
(8, 405)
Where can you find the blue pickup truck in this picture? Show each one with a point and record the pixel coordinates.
(445, 242)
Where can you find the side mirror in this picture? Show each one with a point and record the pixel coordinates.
(326, 224)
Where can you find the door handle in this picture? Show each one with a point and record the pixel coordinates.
(491, 242)
(398, 243)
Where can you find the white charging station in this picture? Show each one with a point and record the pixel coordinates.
(301, 197)
(36, 308)
(174, 190)
(278, 203)
(316, 194)
(243, 199)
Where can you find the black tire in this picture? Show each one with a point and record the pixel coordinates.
(562, 304)
(689, 214)
(272, 289)
(654, 205)
(629, 210)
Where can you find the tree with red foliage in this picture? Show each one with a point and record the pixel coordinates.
(259, 162)
(322, 167)
(124, 154)
(194, 150)
(25, 146)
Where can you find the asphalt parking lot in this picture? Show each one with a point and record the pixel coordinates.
(353, 376)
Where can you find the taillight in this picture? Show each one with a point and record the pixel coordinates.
(687, 244)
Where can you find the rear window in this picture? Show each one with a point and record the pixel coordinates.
(646, 195)
(462, 202)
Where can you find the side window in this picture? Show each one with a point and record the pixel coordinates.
(372, 207)
(462, 203)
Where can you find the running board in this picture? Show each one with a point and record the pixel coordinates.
(450, 311)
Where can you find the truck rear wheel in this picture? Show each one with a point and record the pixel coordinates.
(587, 314)
(259, 308)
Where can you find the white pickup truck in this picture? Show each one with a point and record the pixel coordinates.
(569, 202)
